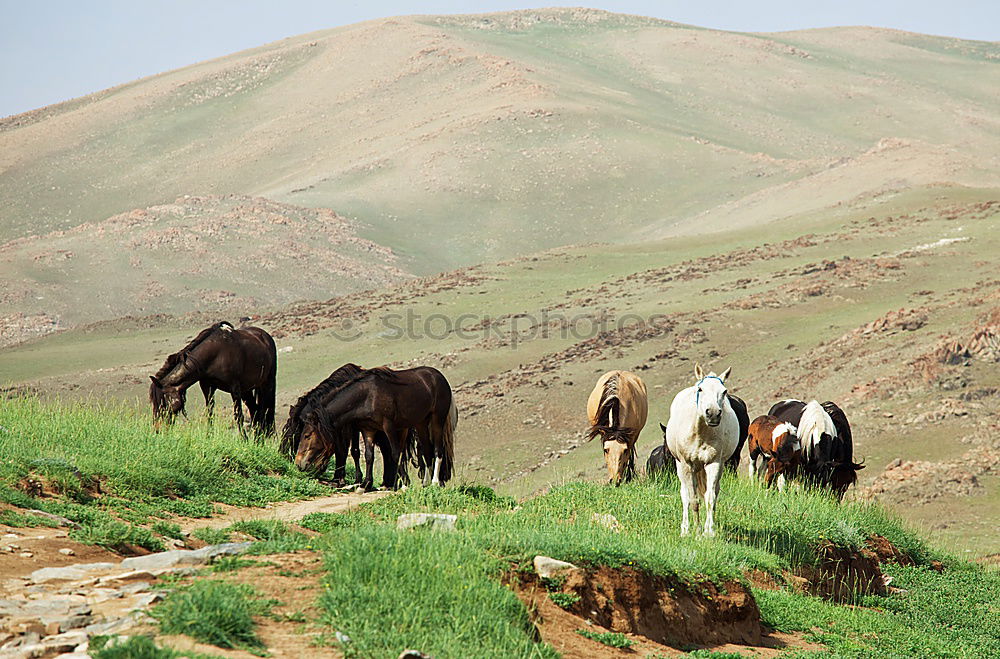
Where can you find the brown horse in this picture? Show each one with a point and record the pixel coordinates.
(384, 406)
(827, 443)
(291, 434)
(617, 410)
(770, 437)
(242, 362)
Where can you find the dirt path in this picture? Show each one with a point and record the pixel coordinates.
(289, 511)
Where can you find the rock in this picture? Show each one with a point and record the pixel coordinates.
(66, 551)
(125, 577)
(26, 554)
(173, 558)
(64, 642)
(439, 521)
(29, 638)
(145, 599)
(116, 626)
(546, 567)
(70, 572)
(607, 520)
(62, 521)
(341, 637)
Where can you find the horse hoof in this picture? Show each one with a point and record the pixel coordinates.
(359, 490)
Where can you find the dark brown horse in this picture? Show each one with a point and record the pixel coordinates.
(384, 406)
(242, 362)
(291, 434)
(827, 444)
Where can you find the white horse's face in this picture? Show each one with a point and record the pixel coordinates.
(710, 395)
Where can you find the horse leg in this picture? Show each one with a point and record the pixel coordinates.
(368, 484)
(356, 454)
(391, 451)
(713, 472)
(208, 391)
(425, 453)
(687, 494)
(238, 413)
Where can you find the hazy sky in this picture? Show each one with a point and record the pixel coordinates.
(53, 50)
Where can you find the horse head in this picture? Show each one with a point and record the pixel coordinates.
(710, 394)
(619, 455)
(316, 446)
(167, 401)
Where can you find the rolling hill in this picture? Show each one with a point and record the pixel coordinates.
(461, 140)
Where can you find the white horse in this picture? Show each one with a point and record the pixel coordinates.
(702, 433)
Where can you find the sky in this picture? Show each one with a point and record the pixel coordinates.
(54, 50)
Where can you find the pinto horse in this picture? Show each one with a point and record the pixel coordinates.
(827, 444)
(776, 440)
(617, 410)
(384, 406)
(291, 434)
(242, 362)
(702, 433)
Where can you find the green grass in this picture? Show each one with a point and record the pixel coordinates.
(216, 612)
(377, 574)
(212, 536)
(103, 467)
(136, 647)
(611, 639)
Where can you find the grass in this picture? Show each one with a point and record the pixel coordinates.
(377, 590)
(136, 647)
(216, 612)
(611, 639)
(103, 467)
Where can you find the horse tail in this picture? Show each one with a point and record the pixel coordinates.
(448, 441)
(265, 407)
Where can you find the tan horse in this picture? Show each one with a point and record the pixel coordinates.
(617, 411)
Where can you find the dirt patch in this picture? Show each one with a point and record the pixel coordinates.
(24, 550)
(842, 574)
(886, 552)
(293, 580)
(287, 511)
(662, 609)
(639, 605)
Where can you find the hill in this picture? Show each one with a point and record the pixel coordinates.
(461, 140)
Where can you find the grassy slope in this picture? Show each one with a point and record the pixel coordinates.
(784, 349)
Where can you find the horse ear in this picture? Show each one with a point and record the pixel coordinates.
(698, 372)
(663, 428)
(155, 381)
(725, 374)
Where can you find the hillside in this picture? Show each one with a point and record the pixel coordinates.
(886, 305)
(454, 141)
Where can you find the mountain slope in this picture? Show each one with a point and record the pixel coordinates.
(456, 140)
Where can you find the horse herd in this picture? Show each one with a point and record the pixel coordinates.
(410, 415)
(706, 431)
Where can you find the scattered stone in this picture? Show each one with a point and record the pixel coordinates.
(26, 554)
(124, 577)
(439, 521)
(70, 572)
(173, 558)
(66, 551)
(341, 637)
(546, 567)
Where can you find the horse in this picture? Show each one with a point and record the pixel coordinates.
(733, 462)
(617, 410)
(242, 362)
(656, 463)
(291, 434)
(384, 405)
(827, 443)
(778, 441)
(701, 433)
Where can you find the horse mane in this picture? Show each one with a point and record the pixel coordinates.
(608, 408)
(292, 431)
(814, 423)
(178, 357)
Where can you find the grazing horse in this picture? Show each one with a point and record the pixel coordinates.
(702, 433)
(656, 463)
(827, 443)
(291, 434)
(733, 461)
(776, 440)
(383, 405)
(617, 410)
(242, 362)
